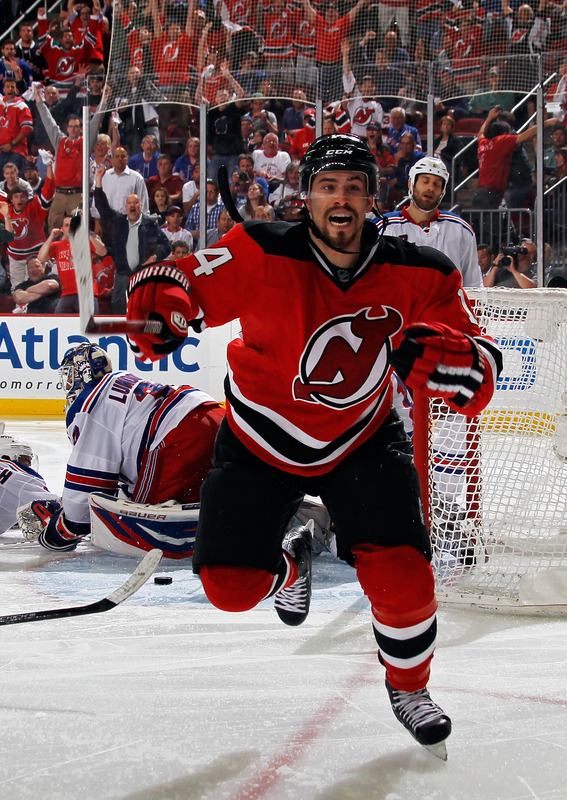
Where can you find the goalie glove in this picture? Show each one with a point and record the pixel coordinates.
(34, 517)
(61, 534)
(443, 362)
(159, 295)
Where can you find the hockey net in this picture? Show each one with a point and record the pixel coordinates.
(496, 486)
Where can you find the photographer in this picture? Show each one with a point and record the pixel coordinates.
(513, 267)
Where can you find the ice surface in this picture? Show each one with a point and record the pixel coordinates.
(166, 698)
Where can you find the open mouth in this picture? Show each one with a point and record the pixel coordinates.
(340, 218)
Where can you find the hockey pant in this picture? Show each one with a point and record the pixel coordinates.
(374, 501)
(176, 468)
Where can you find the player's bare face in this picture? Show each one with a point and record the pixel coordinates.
(427, 192)
(338, 203)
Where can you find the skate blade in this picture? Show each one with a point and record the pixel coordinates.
(439, 750)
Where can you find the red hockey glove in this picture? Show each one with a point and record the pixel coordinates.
(441, 362)
(159, 295)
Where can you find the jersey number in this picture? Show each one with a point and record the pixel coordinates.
(210, 258)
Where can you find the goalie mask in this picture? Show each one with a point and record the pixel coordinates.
(16, 450)
(82, 365)
(428, 165)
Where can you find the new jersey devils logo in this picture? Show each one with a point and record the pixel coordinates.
(20, 227)
(346, 359)
(65, 66)
(171, 51)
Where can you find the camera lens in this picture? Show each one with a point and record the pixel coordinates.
(505, 261)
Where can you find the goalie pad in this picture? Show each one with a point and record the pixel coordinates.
(124, 527)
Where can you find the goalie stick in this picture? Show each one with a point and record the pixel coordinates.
(226, 197)
(143, 571)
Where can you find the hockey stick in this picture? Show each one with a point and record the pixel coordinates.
(143, 571)
(226, 197)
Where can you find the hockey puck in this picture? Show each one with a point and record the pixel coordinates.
(163, 580)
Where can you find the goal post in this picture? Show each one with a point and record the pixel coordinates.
(495, 487)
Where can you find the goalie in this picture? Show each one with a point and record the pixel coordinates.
(151, 442)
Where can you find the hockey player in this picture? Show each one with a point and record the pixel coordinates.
(421, 222)
(19, 482)
(327, 308)
(153, 441)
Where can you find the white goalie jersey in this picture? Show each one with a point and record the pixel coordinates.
(111, 426)
(19, 485)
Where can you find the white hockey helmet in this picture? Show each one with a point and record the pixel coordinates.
(428, 165)
(16, 450)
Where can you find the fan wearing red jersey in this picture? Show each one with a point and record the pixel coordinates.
(326, 305)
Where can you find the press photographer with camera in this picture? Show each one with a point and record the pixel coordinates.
(513, 267)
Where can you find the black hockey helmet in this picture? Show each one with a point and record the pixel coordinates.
(338, 152)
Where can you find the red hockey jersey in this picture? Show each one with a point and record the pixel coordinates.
(309, 379)
(28, 224)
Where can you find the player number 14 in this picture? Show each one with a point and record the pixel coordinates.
(210, 258)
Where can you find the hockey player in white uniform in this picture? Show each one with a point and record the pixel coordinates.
(152, 442)
(423, 223)
(20, 484)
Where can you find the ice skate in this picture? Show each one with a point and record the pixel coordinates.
(292, 604)
(423, 718)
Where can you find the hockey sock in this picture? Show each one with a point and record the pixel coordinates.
(399, 584)
(242, 588)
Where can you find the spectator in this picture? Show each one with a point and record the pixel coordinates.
(224, 224)
(79, 20)
(289, 187)
(262, 118)
(136, 104)
(450, 100)
(28, 50)
(40, 292)
(406, 156)
(68, 167)
(101, 154)
(276, 20)
(330, 30)
(270, 162)
(185, 163)
(173, 227)
(174, 55)
(515, 271)
(491, 95)
(165, 179)
(397, 56)
(496, 144)
(119, 182)
(385, 160)
(6, 235)
(390, 81)
(214, 208)
(246, 164)
(65, 57)
(305, 136)
(305, 46)
(133, 238)
(16, 126)
(256, 198)
(12, 179)
(249, 76)
(27, 220)
(292, 120)
(31, 176)
(361, 106)
(159, 203)
(13, 67)
(561, 168)
(145, 162)
(485, 255)
(224, 131)
(558, 141)
(447, 144)
(394, 11)
(59, 107)
(265, 213)
(190, 192)
(399, 127)
(179, 249)
(58, 247)
(246, 131)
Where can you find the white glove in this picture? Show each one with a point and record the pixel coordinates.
(46, 156)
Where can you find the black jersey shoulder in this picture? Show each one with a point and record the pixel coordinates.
(394, 250)
(280, 238)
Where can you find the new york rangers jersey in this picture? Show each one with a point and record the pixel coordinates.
(19, 485)
(309, 379)
(447, 232)
(111, 425)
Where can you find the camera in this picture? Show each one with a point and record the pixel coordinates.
(512, 252)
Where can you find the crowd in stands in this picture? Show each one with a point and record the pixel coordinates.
(257, 66)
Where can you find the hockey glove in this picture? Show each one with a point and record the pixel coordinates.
(34, 517)
(159, 295)
(60, 534)
(441, 362)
